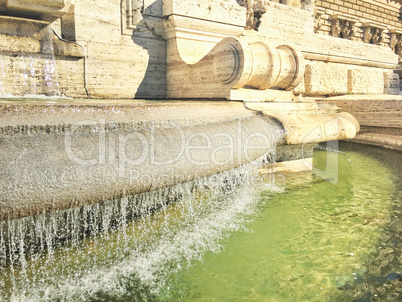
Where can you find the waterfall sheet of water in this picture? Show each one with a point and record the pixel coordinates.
(23, 74)
(77, 254)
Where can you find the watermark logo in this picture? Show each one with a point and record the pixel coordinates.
(155, 153)
(159, 147)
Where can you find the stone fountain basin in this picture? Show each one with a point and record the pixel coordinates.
(66, 153)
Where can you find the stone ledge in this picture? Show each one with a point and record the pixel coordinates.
(306, 123)
(371, 110)
(21, 112)
(382, 140)
(363, 97)
(26, 36)
(293, 166)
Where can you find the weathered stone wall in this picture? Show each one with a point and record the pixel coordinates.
(70, 76)
(130, 60)
(125, 52)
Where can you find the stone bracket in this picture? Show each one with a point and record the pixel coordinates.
(208, 55)
(373, 33)
(343, 26)
(395, 41)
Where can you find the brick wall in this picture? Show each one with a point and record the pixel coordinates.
(387, 14)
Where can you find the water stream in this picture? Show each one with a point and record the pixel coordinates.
(63, 255)
(230, 237)
(25, 74)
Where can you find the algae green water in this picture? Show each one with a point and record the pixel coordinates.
(288, 238)
(317, 242)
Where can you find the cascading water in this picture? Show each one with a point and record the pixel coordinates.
(77, 254)
(23, 73)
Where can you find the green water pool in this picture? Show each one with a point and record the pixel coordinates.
(316, 241)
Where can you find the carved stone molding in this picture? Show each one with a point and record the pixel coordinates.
(373, 33)
(343, 26)
(195, 27)
(235, 65)
(210, 58)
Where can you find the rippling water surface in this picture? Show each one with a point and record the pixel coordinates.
(317, 241)
(284, 238)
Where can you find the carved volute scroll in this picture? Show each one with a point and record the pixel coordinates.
(281, 66)
(200, 64)
(343, 26)
(373, 33)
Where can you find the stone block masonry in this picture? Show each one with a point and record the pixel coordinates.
(325, 78)
(379, 116)
(365, 81)
(329, 79)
